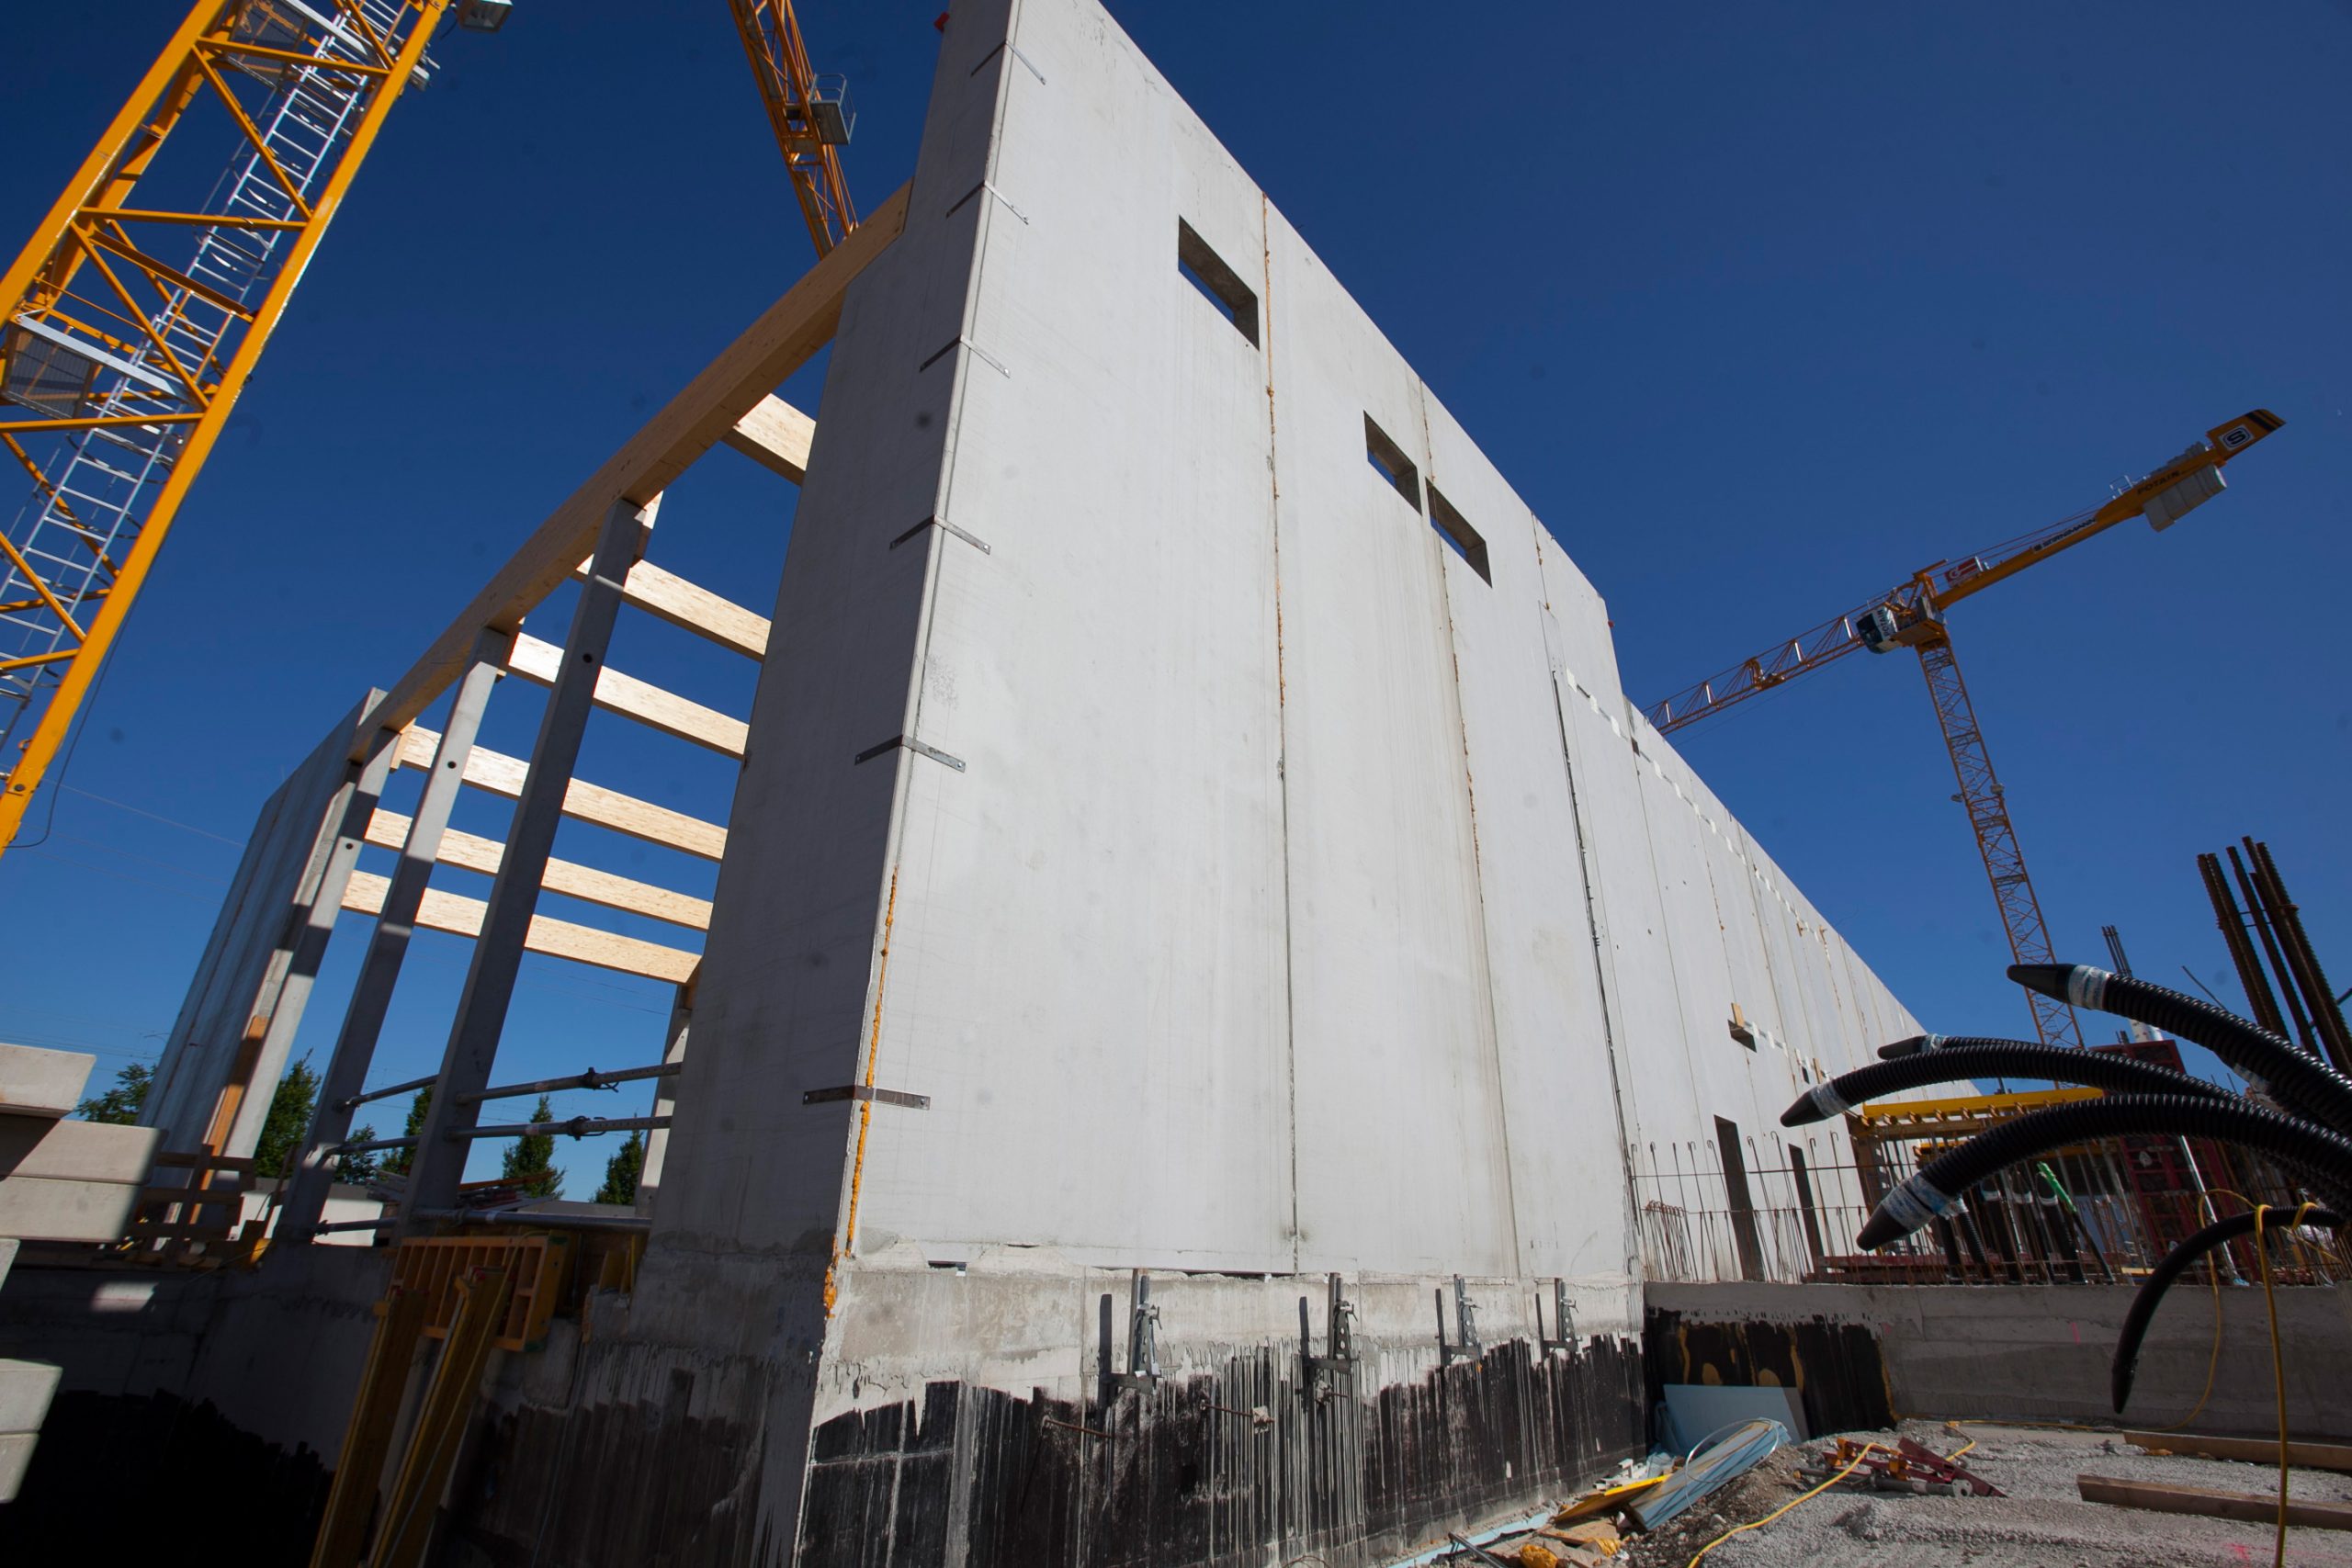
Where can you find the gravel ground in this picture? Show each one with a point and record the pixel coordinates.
(2042, 1521)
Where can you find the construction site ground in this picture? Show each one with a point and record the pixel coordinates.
(2042, 1521)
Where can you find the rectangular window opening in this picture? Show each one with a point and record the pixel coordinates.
(1388, 460)
(1455, 530)
(1218, 284)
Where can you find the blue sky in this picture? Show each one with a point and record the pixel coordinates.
(1760, 306)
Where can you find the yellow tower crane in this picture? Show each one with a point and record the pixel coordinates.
(1912, 616)
(134, 315)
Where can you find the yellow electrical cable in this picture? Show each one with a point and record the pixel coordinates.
(2212, 1359)
(2278, 1366)
(1868, 1449)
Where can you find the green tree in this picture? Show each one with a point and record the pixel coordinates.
(397, 1161)
(288, 1119)
(119, 1105)
(530, 1159)
(621, 1172)
(360, 1169)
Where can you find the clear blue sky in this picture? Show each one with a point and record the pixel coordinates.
(1759, 306)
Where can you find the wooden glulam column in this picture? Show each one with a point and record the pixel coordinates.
(472, 1051)
(380, 972)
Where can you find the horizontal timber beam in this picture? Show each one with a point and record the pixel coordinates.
(389, 830)
(776, 436)
(691, 607)
(631, 698)
(460, 915)
(502, 774)
(786, 335)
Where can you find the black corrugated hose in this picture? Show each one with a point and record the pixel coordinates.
(2297, 1080)
(1967, 1059)
(1935, 1189)
(2160, 1279)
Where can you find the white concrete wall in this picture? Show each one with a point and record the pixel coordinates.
(1305, 900)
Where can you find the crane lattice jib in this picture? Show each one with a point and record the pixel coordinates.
(1996, 840)
(788, 85)
(1935, 588)
(1912, 616)
(133, 319)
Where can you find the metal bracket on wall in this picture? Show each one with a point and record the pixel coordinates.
(1324, 1371)
(945, 527)
(1465, 1322)
(916, 747)
(868, 1093)
(1143, 1338)
(1564, 1320)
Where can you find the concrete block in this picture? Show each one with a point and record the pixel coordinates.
(35, 1209)
(77, 1151)
(16, 1453)
(25, 1389)
(33, 1079)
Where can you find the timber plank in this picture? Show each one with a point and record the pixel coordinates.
(468, 852)
(669, 597)
(460, 915)
(776, 436)
(640, 700)
(2254, 1450)
(2250, 1507)
(502, 774)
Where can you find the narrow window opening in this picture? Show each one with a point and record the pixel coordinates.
(1218, 284)
(1455, 530)
(1388, 460)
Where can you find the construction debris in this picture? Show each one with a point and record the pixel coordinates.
(1910, 1467)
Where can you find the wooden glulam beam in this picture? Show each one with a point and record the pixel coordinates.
(634, 699)
(691, 607)
(461, 916)
(468, 852)
(502, 774)
(784, 339)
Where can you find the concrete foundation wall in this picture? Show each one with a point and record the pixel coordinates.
(2043, 1353)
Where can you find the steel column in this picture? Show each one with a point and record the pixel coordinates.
(513, 897)
(380, 972)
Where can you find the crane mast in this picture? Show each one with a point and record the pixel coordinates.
(134, 315)
(1912, 616)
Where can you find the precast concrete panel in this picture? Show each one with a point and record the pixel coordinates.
(1585, 646)
(1560, 1125)
(1087, 953)
(788, 969)
(1400, 1142)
